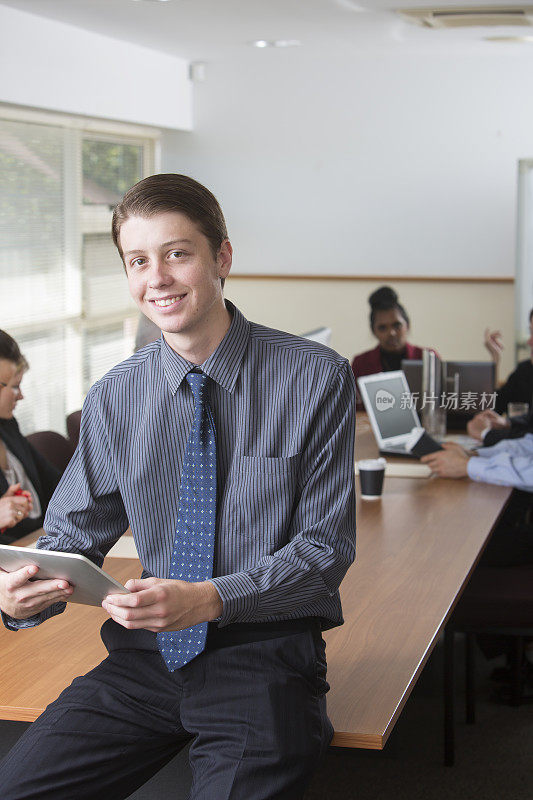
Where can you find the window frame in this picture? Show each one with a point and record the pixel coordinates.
(83, 220)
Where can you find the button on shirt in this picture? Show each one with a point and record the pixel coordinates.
(284, 412)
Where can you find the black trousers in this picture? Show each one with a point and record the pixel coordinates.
(254, 710)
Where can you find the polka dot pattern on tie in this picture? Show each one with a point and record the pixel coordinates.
(192, 556)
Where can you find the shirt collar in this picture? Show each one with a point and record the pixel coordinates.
(222, 366)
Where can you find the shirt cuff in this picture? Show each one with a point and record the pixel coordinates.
(474, 468)
(239, 596)
(13, 624)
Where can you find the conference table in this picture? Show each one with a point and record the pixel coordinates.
(416, 547)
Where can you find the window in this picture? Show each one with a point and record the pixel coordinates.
(63, 294)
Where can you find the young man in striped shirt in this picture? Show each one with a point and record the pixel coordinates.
(227, 447)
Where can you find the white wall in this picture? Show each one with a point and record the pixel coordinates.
(364, 164)
(450, 316)
(361, 163)
(47, 64)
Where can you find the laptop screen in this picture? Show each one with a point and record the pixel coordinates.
(389, 397)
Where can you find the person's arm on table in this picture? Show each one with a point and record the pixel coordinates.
(85, 515)
(320, 549)
(450, 462)
(484, 422)
(509, 463)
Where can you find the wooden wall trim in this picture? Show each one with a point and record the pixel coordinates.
(375, 278)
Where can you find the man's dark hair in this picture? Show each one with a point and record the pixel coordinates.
(385, 299)
(10, 351)
(169, 192)
(531, 315)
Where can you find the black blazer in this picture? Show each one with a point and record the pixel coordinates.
(518, 387)
(43, 475)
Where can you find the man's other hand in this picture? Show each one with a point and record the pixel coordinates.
(450, 462)
(164, 604)
(20, 597)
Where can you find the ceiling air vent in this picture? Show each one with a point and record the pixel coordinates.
(481, 16)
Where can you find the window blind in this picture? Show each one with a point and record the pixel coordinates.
(63, 293)
(32, 237)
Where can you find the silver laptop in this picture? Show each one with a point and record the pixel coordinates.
(386, 396)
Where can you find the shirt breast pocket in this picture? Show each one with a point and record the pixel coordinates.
(263, 495)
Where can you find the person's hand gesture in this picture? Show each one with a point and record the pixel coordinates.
(494, 344)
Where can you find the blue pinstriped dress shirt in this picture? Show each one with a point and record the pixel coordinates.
(284, 411)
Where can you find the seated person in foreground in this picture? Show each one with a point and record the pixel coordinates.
(21, 466)
(390, 325)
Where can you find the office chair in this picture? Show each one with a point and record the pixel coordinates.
(73, 428)
(53, 446)
(497, 601)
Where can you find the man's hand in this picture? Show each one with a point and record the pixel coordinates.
(450, 462)
(22, 598)
(161, 604)
(482, 421)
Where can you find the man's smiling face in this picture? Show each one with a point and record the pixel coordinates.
(173, 275)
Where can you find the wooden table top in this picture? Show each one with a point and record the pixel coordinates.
(415, 549)
(37, 663)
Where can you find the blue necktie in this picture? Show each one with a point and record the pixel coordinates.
(192, 556)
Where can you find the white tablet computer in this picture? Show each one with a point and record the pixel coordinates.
(91, 584)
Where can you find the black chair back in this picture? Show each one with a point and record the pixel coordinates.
(73, 428)
(53, 446)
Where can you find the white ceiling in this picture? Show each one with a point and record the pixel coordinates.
(201, 30)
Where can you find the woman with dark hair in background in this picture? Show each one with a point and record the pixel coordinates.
(27, 480)
(389, 323)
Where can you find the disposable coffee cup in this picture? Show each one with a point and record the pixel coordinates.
(371, 474)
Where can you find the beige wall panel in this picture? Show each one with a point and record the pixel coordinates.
(448, 315)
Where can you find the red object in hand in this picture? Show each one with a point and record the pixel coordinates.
(17, 494)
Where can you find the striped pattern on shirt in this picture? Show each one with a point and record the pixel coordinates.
(284, 411)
